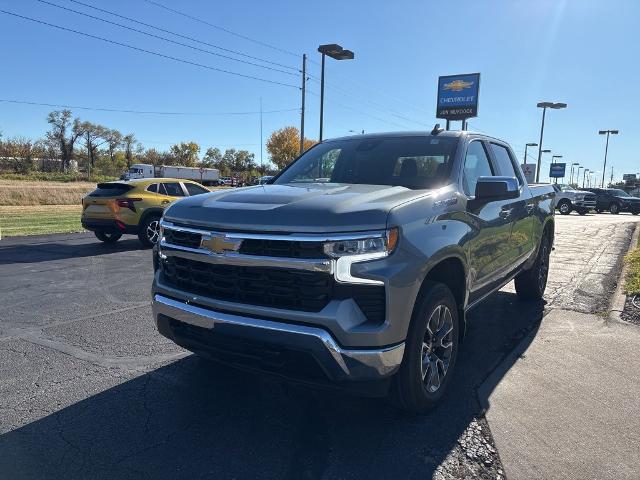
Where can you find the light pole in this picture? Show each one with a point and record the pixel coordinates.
(337, 53)
(584, 176)
(525, 150)
(571, 176)
(544, 106)
(578, 176)
(539, 157)
(606, 148)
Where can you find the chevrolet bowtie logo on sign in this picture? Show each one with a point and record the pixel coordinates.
(220, 243)
(457, 85)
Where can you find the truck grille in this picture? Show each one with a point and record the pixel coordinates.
(251, 246)
(590, 198)
(181, 238)
(270, 287)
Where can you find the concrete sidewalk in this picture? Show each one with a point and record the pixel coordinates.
(569, 407)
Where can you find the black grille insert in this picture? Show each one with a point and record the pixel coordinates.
(181, 238)
(271, 287)
(282, 248)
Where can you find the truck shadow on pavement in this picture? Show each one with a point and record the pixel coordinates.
(191, 419)
(46, 251)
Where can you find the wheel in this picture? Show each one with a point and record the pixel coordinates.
(598, 210)
(149, 230)
(108, 237)
(634, 213)
(582, 211)
(531, 283)
(614, 208)
(565, 207)
(430, 351)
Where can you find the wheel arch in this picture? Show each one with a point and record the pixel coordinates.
(153, 211)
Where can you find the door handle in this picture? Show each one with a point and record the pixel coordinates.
(530, 207)
(505, 212)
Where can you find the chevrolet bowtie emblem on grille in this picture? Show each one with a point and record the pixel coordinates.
(220, 243)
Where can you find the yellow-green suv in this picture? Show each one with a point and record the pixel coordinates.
(133, 207)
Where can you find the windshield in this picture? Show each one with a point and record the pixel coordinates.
(620, 193)
(412, 162)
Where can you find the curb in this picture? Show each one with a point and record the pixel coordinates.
(619, 297)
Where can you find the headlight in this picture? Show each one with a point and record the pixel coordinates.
(579, 198)
(382, 244)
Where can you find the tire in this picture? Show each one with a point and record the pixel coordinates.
(598, 210)
(582, 211)
(149, 229)
(417, 387)
(565, 207)
(614, 208)
(634, 213)
(107, 237)
(531, 283)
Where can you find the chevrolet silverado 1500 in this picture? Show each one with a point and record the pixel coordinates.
(357, 265)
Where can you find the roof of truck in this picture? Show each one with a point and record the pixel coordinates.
(415, 133)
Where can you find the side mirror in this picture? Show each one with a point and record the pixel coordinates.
(491, 189)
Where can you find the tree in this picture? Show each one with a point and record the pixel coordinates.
(64, 132)
(114, 140)
(129, 141)
(212, 158)
(284, 146)
(20, 152)
(94, 136)
(185, 153)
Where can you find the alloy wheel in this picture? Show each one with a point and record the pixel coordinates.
(543, 270)
(437, 347)
(153, 230)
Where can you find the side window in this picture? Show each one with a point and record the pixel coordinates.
(194, 189)
(505, 163)
(153, 188)
(173, 189)
(476, 165)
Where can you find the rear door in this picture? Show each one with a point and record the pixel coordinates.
(171, 190)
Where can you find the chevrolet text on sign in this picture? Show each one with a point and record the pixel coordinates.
(458, 96)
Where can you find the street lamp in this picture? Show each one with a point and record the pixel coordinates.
(571, 176)
(337, 53)
(578, 176)
(544, 106)
(525, 150)
(584, 176)
(606, 148)
(539, 157)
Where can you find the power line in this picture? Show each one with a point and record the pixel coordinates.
(143, 112)
(186, 37)
(361, 112)
(226, 30)
(151, 52)
(375, 105)
(165, 38)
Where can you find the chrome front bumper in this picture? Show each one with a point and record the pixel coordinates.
(337, 363)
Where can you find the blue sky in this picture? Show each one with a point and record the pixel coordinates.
(582, 52)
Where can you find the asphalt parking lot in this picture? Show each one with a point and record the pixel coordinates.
(88, 389)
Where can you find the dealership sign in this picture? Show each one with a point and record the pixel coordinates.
(629, 177)
(529, 171)
(557, 170)
(458, 96)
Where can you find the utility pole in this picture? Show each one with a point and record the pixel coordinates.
(321, 97)
(304, 82)
(261, 134)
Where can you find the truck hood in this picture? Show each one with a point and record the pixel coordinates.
(293, 208)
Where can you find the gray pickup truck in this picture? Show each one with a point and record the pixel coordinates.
(356, 266)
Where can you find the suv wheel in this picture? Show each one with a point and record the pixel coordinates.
(430, 351)
(107, 237)
(565, 207)
(149, 230)
(614, 208)
(530, 284)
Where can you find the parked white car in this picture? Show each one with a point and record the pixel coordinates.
(569, 199)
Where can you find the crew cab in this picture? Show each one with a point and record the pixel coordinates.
(356, 266)
(615, 200)
(569, 199)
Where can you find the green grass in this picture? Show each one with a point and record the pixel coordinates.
(55, 177)
(39, 219)
(632, 282)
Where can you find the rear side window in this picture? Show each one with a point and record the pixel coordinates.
(505, 163)
(476, 165)
(153, 188)
(194, 189)
(171, 189)
(111, 189)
